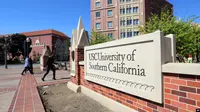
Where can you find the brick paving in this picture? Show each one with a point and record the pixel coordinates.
(6, 90)
(26, 97)
(9, 78)
(19, 94)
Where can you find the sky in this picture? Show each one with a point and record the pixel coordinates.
(62, 15)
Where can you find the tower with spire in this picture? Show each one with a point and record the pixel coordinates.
(80, 39)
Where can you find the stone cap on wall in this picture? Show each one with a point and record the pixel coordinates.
(81, 63)
(181, 68)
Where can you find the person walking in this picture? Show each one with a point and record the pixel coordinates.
(31, 64)
(26, 66)
(50, 66)
(190, 59)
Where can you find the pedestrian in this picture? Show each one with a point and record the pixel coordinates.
(26, 66)
(31, 64)
(190, 59)
(50, 66)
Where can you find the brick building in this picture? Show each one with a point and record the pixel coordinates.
(57, 41)
(121, 18)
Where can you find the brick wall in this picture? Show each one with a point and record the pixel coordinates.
(181, 92)
(47, 39)
(79, 57)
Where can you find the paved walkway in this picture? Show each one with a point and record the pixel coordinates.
(9, 82)
(19, 94)
(61, 76)
(27, 99)
(17, 66)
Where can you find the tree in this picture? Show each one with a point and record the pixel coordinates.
(186, 32)
(97, 38)
(15, 44)
(68, 42)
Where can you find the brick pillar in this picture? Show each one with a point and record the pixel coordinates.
(79, 56)
(43, 63)
(82, 76)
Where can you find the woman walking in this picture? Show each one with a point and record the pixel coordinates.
(50, 66)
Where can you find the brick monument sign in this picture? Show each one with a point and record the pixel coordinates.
(135, 74)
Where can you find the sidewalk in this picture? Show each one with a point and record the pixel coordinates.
(9, 82)
(19, 96)
(27, 98)
(61, 76)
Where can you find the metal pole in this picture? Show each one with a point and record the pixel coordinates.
(28, 41)
(6, 67)
(197, 56)
(27, 47)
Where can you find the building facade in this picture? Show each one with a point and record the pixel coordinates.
(121, 18)
(55, 40)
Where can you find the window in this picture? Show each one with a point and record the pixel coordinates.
(37, 42)
(110, 13)
(110, 24)
(97, 4)
(98, 25)
(135, 9)
(110, 35)
(122, 34)
(98, 14)
(136, 33)
(129, 22)
(122, 11)
(128, 10)
(121, 1)
(135, 21)
(129, 34)
(109, 2)
(122, 22)
(128, 0)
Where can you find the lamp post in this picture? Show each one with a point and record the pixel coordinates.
(27, 45)
(197, 47)
(6, 38)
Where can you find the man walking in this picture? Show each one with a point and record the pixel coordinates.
(50, 66)
(27, 66)
(31, 64)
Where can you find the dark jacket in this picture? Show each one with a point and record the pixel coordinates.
(31, 63)
(50, 61)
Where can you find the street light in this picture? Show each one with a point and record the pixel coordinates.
(6, 39)
(28, 40)
(27, 44)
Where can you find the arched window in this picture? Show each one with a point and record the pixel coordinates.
(58, 49)
(37, 42)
